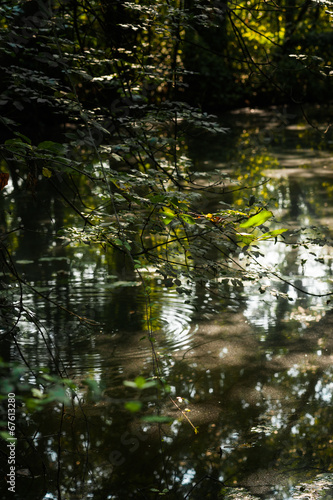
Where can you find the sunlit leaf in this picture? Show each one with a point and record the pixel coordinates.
(258, 219)
(245, 239)
(37, 393)
(140, 383)
(188, 219)
(168, 216)
(272, 234)
(128, 383)
(6, 436)
(46, 172)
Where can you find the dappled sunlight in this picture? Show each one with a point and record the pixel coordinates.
(244, 356)
(166, 272)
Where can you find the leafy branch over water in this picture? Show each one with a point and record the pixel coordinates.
(118, 155)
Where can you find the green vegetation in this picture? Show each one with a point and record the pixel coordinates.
(258, 53)
(98, 102)
(98, 95)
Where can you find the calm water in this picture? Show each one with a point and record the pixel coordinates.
(254, 368)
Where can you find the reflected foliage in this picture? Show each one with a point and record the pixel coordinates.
(138, 236)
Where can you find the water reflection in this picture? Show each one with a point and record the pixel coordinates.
(254, 372)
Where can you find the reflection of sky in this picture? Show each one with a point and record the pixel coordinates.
(261, 312)
(323, 391)
(189, 476)
(262, 309)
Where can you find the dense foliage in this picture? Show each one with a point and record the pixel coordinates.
(98, 101)
(100, 93)
(259, 53)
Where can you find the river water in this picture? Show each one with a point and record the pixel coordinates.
(252, 371)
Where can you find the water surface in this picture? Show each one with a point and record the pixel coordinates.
(252, 369)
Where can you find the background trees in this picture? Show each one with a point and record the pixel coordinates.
(259, 53)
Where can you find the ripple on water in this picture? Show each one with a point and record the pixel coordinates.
(115, 341)
(176, 319)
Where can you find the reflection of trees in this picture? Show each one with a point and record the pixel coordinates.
(270, 415)
(82, 286)
(231, 384)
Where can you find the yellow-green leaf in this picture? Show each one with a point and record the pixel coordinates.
(272, 234)
(47, 172)
(258, 219)
(133, 406)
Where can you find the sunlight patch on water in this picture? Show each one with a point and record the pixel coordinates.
(189, 476)
(324, 392)
(261, 312)
(307, 271)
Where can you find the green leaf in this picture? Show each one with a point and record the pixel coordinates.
(47, 172)
(157, 419)
(258, 219)
(94, 389)
(16, 145)
(157, 198)
(128, 383)
(272, 234)
(54, 147)
(245, 239)
(24, 137)
(127, 246)
(6, 436)
(58, 393)
(37, 393)
(188, 219)
(168, 217)
(133, 406)
(122, 243)
(140, 383)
